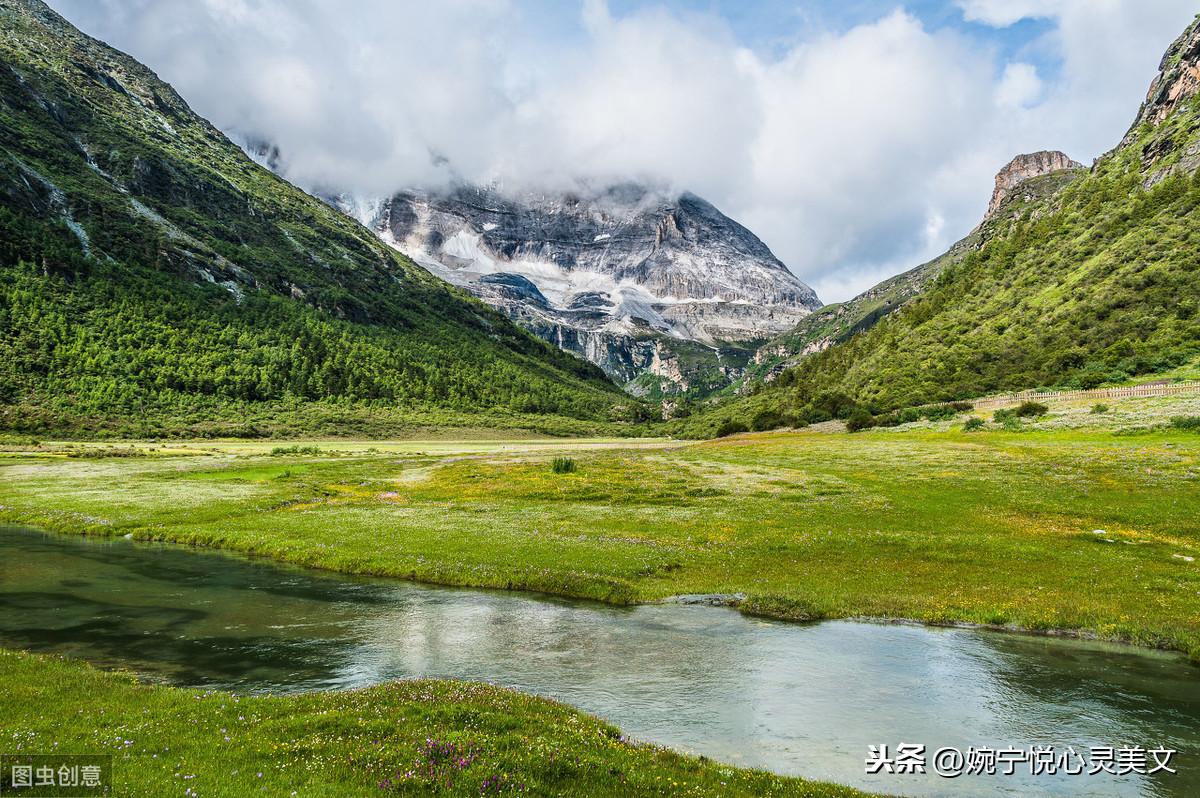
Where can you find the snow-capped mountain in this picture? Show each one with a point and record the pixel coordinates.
(611, 274)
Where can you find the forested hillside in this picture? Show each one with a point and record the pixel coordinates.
(153, 278)
(1093, 283)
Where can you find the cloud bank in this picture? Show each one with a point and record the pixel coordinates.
(853, 153)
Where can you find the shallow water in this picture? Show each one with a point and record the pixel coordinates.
(798, 699)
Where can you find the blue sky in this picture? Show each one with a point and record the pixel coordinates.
(772, 26)
(857, 138)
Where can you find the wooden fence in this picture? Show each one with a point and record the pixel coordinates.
(1148, 389)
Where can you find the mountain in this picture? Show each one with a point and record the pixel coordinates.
(1021, 169)
(154, 279)
(1027, 180)
(660, 290)
(1090, 282)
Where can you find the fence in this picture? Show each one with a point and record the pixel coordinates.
(1148, 389)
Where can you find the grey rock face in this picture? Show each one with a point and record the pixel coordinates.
(1177, 81)
(515, 288)
(603, 273)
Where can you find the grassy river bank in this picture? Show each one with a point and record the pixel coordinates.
(1090, 528)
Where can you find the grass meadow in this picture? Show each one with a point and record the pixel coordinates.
(1095, 531)
(415, 737)
(1083, 522)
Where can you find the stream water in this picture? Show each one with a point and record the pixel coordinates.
(797, 699)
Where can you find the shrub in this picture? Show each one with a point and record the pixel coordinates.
(909, 415)
(766, 420)
(1093, 377)
(814, 415)
(938, 413)
(835, 403)
(282, 450)
(1004, 414)
(961, 407)
(1031, 409)
(973, 424)
(731, 426)
(1099, 408)
(860, 419)
(1189, 423)
(563, 465)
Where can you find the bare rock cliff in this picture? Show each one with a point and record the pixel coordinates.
(609, 273)
(1178, 79)
(1022, 168)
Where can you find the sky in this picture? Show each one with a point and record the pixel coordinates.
(857, 138)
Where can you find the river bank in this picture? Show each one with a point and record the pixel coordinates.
(1081, 530)
(698, 679)
(402, 738)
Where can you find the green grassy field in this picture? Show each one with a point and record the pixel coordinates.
(1052, 527)
(402, 738)
(1080, 521)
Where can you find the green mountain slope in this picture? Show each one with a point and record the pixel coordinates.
(154, 279)
(837, 323)
(1091, 283)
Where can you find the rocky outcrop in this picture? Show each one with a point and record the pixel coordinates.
(1025, 180)
(1177, 80)
(1022, 168)
(609, 273)
(667, 366)
(1167, 149)
(622, 357)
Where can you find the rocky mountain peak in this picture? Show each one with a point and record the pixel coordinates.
(624, 274)
(607, 272)
(1178, 79)
(1024, 167)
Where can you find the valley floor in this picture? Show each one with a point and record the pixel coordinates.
(1057, 526)
(1091, 526)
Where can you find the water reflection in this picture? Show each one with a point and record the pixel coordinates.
(805, 700)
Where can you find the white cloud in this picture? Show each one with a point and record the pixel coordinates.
(649, 95)
(1020, 86)
(854, 155)
(1108, 52)
(1002, 13)
(856, 128)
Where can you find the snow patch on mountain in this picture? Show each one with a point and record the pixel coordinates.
(633, 259)
(610, 274)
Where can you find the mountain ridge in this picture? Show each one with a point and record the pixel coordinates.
(1091, 283)
(122, 204)
(1025, 180)
(624, 275)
